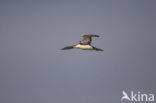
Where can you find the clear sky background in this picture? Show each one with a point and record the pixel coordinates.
(33, 69)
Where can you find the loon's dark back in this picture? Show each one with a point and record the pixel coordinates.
(87, 39)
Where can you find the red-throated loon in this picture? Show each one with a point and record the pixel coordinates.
(85, 44)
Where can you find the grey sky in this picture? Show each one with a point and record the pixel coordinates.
(33, 69)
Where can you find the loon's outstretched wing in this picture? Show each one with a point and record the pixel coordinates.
(87, 39)
(97, 49)
(67, 47)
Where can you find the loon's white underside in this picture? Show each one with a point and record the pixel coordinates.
(84, 47)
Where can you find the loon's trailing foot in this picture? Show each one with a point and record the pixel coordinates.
(85, 44)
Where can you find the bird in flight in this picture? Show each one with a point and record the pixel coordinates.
(85, 44)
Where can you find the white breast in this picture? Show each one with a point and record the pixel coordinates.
(85, 47)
